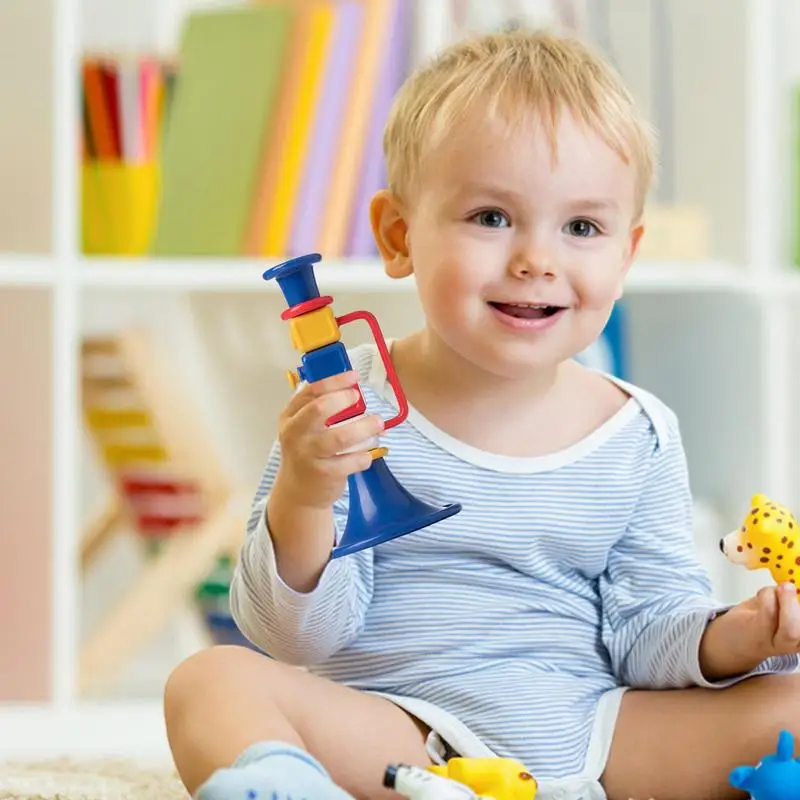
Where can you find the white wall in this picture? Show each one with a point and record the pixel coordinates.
(25, 125)
(138, 24)
(25, 495)
(25, 366)
(710, 115)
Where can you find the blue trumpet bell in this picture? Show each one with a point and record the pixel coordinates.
(381, 510)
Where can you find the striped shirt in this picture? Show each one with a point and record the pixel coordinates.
(562, 577)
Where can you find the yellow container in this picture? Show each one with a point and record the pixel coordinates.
(118, 207)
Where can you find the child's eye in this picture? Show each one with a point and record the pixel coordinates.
(492, 219)
(582, 227)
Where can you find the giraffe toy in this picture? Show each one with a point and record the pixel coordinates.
(769, 538)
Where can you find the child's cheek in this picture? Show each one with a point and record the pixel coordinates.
(452, 278)
(595, 294)
(597, 285)
(441, 287)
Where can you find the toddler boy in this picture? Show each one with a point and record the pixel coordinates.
(548, 620)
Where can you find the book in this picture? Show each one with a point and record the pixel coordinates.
(355, 124)
(231, 68)
(372, 175)
(609, 353)
(318, 170)
(291, 154)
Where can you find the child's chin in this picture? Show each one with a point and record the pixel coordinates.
(520, 363)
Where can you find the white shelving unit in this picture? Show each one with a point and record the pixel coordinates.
(359, 274)
(757, 300)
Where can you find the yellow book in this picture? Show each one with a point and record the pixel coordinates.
(278, 222)
(275, 136)
(354, 129)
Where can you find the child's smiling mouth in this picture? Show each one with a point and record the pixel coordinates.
(527, 317)
(526, 310)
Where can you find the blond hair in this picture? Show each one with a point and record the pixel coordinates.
(515, 73)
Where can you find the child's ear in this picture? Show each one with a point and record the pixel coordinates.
(636, 238)
(390, 229)
(630, 254)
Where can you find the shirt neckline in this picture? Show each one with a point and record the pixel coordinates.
(497, 462)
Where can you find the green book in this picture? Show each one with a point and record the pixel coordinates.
(230, 68)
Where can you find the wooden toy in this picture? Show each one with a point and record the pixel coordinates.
(767, 539)
(169, 489)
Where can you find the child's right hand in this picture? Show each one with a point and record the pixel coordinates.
(314, 468)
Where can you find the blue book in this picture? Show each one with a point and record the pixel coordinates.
(609, 353)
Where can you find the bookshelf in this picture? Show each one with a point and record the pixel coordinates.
(366, 275)
(243, 275)
(742, 438)
(26, 271)
(356, 274)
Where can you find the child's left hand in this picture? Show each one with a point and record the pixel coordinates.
(764, 626)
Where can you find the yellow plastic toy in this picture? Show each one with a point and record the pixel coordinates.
(769, 538)
(500, 778)
(463, 779)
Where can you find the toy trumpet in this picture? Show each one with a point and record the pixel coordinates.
(380, 509)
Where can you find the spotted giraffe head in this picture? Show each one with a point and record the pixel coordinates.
(767, 539)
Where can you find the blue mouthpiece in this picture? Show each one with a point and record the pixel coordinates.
(296, 278)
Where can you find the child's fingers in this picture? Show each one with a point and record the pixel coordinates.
(787, 639)
(315, 413)
(313, 391)
(343, 437)
(767, 602)
(349, 463)
(767, 617)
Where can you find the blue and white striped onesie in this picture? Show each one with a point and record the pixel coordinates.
(508, 627)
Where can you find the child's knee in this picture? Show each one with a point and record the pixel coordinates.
(196, 678)
(775, 700)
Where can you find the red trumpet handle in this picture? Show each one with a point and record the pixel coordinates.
(377, 335)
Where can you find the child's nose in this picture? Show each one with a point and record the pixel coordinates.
(532, 267)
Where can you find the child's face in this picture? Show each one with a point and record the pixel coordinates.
(497, 222)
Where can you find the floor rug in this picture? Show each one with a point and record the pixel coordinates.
(87, 780)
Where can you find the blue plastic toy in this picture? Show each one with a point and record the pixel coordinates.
(775, 777)
(380, 508)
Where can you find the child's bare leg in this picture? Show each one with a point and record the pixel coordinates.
(221, 701)
(682, 744)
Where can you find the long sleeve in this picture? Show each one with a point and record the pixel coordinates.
(656, 595)
(298, 628)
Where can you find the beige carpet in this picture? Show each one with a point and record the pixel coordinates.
(87, 780)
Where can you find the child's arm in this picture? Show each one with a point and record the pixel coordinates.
(298, 627)
(656, 595)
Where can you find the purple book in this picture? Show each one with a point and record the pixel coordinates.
(324, 144)
(373, 173)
